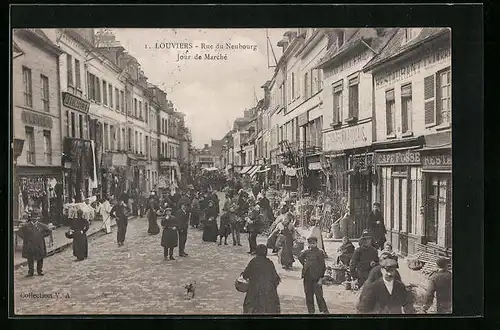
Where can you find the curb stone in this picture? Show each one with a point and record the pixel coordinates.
(59, 249)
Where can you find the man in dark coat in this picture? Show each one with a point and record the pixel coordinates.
(254, 226)
(377, 227)
(364, 258)
(386, 295)
(33, 234)
(265, 205)
(440, 285)
(376, 271)
(183, 220)
(118, 212)
(313, 271)
(256, 189)
(169, 237)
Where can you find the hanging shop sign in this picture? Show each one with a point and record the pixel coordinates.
(405, 157)
(440, 161)
(348, 138)
(74, 102)
(35, 119)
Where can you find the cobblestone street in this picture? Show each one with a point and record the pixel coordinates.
(134, 279)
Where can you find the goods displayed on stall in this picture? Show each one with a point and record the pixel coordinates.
(70, 210)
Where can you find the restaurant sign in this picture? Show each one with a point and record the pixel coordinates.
(436, 162)
(406, 157)
(348, 138)
(35, 119)
(74, 102)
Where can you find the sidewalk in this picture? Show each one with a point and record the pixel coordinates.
(61, 242)
(409, 276)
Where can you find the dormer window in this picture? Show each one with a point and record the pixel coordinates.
(340, 39)
(411, 33)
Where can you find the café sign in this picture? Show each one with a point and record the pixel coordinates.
(73, 102)
(36, 119)
(348, 138)
(407, 157)
(436, 162)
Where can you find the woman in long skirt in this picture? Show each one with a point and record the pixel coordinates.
(153, 227)
(285, 253)
(79, 228)
(262, 295)
(210, 231)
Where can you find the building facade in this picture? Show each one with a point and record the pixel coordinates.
(37, 121)
(412, 95)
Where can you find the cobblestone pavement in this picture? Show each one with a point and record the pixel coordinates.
(134, 279)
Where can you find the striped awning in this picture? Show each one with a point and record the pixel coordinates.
(245, 169)
(253, 170)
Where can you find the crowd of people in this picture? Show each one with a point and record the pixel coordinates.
(248, 210)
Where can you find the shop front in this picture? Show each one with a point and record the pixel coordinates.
(315, 180)
(361, 179)
(399, 173)
(41, 189)
(114, 174)
(437, 178)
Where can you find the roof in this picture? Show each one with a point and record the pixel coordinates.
(41, 37)
(396, 46)
(16, 48)
(374, 38)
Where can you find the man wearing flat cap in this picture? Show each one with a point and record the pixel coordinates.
(440, 286)
(364, 258)
(387, 295)
(376, 271)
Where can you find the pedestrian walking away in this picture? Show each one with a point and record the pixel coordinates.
(169, 238)
(79, 229)
(33, 234)
(210, 231)
(153, 228)
(183, 220)
(313, 271)
(118, 213)
(254, 226)
(262, 295)
(440, 286)
(225, 225)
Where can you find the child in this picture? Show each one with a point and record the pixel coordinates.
(313, 271)
(225, 224)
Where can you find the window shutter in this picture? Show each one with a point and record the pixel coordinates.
(429, 97)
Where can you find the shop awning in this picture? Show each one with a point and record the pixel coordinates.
(264, 170)
(245, 169)
(315, 166)
(253, 170)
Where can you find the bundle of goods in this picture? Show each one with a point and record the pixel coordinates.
(336, 274)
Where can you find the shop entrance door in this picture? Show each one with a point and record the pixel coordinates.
(361, 197)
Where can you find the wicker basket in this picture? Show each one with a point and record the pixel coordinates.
(241, 285)
(338, 275)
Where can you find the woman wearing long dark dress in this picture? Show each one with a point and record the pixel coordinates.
(195, 212)
(210, 231)
(262, 295)
(153, 227)
(285, 243)
(79, 228)
(169, 237)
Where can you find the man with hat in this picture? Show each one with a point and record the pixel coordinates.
(313, 271)
(386, 295)
(364, 258)
(377, 227)
(183, 219)
(118, 212)
(169, 238)
(376, 272)
(440, 286)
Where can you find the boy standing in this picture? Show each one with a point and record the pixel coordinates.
(313, 271)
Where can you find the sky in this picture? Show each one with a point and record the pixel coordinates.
(212, 93)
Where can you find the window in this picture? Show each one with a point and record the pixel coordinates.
(68, 123)
(104, 92)
(118, 139)
(444, 97)
(406, 107)
(390, 111)
(337, 103)
(306, 86)
(130, 138)
(110, 95)
(117, 98)
(438, 213)
(411, 33)
(146, 112)
(30, 145)
(73, 125)
(78, 78)
(136, 144)
(135, 107)
(98, 90)
(353, 98)
(45, 92)
(140, 143)
(28, 87)
(93, 88)
(105, 137)
(340, 39)
(112, 132)
(80, 126)
(293, 87)
(140, 109)
(147, 146)
(69, 59)
(47, 145)
(122, 102)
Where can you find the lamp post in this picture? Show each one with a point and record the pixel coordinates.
(17, 149)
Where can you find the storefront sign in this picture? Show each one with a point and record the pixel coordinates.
(35, 119)
(166, 163)
(436, 162)
(346, 64)
(74, 102)
(413, 68)
(348, 138)
(407, 157)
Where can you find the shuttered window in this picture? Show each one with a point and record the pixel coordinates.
(429, 100)
(337, 102)
(390, 111)
(406, 108)
(354, 98)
